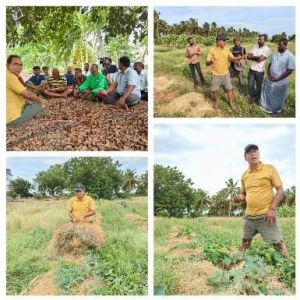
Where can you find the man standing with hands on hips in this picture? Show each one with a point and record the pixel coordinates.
(257, 185)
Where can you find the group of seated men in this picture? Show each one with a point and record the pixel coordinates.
(122, 85)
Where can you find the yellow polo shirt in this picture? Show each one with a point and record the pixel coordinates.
(14, 100)
(258, 186)
(221, 57)
(79, 207)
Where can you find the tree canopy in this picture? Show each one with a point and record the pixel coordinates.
(101, 176)
(68, 34)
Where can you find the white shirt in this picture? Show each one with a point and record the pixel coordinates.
(143, 79)
(256, 51)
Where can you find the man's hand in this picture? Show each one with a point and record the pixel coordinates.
(272, 78)
(44, 102)
(81, 218)
(238, 198)
(249, 56)
(121, 102)
(74, 220)
(271, 217)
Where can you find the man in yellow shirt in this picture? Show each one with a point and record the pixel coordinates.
(257, 185)
(218, 57)
(17, 110)
(81, 208)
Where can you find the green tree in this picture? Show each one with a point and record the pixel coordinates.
(19, 187)
(142, 186)
(232, 190)
(130, 181)
(100, 175)
(52, 181)
(43, 33)
(289, 198)
(172, 192)
(201, 205)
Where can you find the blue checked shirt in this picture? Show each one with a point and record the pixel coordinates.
(129, 77)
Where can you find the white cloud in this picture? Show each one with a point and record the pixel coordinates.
(211, 154)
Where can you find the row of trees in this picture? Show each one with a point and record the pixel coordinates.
(175, 196)
(191, 27)
(102, 178)
(55, 35)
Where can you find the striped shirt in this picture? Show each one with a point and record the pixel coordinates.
(57, 83)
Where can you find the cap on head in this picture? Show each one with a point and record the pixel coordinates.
(79, 187)
(250, 147)
(221, 37)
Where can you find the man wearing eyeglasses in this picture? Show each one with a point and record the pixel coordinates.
(18, 110)
(257, 185)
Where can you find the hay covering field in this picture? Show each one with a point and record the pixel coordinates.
(113, 260)
(201, 257)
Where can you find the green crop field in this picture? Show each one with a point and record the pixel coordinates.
(175, 95)
(119, 267)
(201, 257)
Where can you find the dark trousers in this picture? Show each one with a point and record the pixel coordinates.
(112, 98)
(193, 69)
(255, 80)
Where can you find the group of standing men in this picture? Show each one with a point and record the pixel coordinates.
(271, 96)
(122, 85)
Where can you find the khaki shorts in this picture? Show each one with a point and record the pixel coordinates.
(224, 80)
(258, 224)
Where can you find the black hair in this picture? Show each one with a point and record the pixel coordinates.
(125, 61)
(11, 57)
(284, 41)
(265, 36)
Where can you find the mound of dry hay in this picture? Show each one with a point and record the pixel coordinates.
(75, 239)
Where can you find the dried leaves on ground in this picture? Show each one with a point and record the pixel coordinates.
(74, 124)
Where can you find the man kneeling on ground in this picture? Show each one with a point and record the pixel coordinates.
(94, 83)
(81, 208)
(125, 90)
(17, 110)
(37, 82)
(57, 85)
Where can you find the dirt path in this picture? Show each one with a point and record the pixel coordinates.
(139, 220)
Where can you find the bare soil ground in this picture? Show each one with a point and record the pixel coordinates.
(75, 124)
(171, 103)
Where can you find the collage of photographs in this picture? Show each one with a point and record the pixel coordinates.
(150, 150)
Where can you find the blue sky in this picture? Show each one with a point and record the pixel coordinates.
(211, 154)
(28, 167)
(270, 20)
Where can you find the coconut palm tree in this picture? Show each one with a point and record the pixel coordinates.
(130, 180)
(231, 191)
